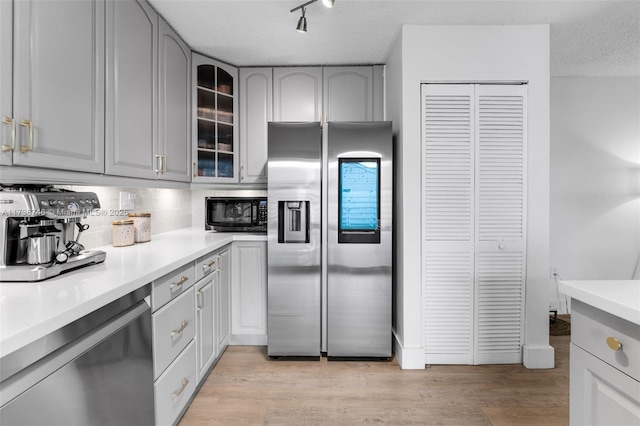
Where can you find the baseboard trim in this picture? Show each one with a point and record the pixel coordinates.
(537, 357)
(248, 339)
(408, 358)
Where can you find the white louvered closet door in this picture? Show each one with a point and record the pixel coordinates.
(500, 223)
(474, 149)
(448, 222)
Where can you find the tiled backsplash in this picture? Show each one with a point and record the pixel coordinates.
(170, 210)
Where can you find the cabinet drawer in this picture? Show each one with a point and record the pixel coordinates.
(172, 285)
(592, 327)
(173, 329)
(176, 386)
(206, 265)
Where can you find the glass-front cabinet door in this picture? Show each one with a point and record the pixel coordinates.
(215, 147)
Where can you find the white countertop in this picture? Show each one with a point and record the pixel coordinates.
(617, 297)
(29, 311)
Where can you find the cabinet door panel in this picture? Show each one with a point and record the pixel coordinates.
(600, 394)
(206, 338)
(214, 127)
(256, 91)
(6, 82)
(348, 93)
(249, 293)
(297, 94)
(59, 84)
(131, 89)
(224, 300)
(175, 102)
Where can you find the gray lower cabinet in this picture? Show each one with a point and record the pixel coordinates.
(605, 368)
(249, 293)
(206, 338)
(224, 299)
(131, 100)
(57, 115)
(212, 308)
(174, 322)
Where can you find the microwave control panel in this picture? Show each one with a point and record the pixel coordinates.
(262, 213)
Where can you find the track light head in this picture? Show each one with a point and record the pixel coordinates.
(328, 3)
(302, 23)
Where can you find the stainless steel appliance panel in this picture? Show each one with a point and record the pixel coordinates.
(103, 377)
(359, 270)
(294, 209)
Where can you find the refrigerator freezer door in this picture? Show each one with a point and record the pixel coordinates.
(294, 197)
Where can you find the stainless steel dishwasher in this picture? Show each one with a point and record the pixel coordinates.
(97, 370)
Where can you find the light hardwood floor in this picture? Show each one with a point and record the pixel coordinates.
(246, 388)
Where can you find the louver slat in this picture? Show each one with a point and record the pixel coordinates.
(448, 172)
(501, 168)
(448, 307)
(500, 297)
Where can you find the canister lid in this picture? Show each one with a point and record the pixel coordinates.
(123, 222)
(140, 214)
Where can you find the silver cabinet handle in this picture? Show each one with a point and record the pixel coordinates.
(185, 383)
(163, 161)
(181, 282)
(9, 120)
(158, 163)
(207, 266)
(29, 125)
(200, 299)
(183, 325)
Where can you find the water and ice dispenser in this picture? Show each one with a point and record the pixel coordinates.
(293, 221)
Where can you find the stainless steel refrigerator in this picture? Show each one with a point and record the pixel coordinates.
(330, 201)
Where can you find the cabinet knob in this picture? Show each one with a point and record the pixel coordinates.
(614, 344)
(501, 246)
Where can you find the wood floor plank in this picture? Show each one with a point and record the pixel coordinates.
(248, 388)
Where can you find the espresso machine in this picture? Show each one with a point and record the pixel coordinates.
(40, 231)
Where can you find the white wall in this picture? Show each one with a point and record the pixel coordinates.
(470, 53)
(394, 113)
(170, 210)
(595, 178)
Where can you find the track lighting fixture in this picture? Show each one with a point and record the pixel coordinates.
(302, 22)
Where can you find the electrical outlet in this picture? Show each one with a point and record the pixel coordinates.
(127, 200)
(555, 270)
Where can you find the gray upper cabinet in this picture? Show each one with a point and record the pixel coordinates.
(131, 112)
(302, 94)
(256, 110)
(348, 93)
(174, 74)
(58, 93)
(7, 123)
(215, 115)
(297, 94)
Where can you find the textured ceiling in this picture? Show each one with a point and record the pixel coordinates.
(588, 38)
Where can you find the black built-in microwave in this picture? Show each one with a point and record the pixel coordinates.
(236, 214)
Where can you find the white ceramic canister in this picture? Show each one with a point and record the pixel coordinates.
(142, 226)
(122, 233)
